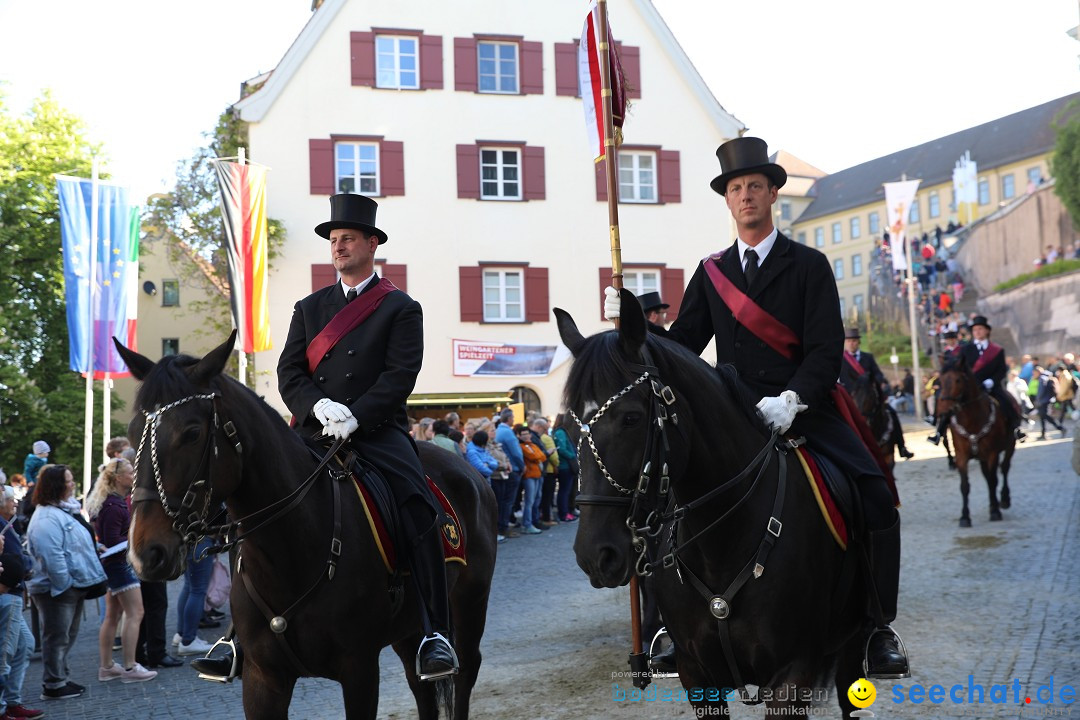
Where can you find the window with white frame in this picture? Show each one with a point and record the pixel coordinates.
(838, 268)
(857, 301)
(640, 282)
(935, 205)
(819, 237)
(397, 62)
(801, 238)
(504, 295)
(875, 222)
(1034, 175)
(500, 174)
(856, 265)
(837, 233)
(1008, 186)
(785, 209)
(913, 214)
(497, 67)
(856, 227)
(842, 307)
(984, 191)
(356, 167)
(637, 177)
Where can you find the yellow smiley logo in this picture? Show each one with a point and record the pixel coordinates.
(862, 693)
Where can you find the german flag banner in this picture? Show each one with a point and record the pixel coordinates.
(243, 207)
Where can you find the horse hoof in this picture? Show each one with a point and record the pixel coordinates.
(965, 522)
(952, 464)
(995, 515)
(1005, 504)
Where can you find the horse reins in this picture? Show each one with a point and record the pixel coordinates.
(954, 423)
(654, 459)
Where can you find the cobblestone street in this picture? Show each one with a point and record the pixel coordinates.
(999, 602)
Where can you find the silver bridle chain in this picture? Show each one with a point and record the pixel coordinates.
(150, 427)
(586, 433)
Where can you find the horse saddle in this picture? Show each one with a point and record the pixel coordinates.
(835, 494)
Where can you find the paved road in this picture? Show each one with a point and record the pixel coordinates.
(999, 602)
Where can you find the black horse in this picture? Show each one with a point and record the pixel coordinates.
(205, 439)
(979, 430)
(873, 407)
(668, 439)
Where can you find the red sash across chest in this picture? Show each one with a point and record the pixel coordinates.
(347, 319)
(752, 316)
(859, 369)
(988, 356)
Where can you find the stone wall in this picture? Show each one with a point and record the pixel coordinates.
(1042, 317)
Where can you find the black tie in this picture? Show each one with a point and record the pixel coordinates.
(751, 267)
(351, 295)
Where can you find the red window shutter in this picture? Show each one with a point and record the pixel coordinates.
(601, 180)
(532, 68)
(396, 274)
(566, 69)
(630, 59)
(670, 181)
(468, 172)
(605, 280)
(322, 275)
(534, 173)
(465, 64)
(471, 294)
(536, 295)
(392, 165)
(431, 72)
(321, 166)
(362, 51)
(671, 290)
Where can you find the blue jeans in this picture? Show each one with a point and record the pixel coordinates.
(530, 504)
(16, 642)
(189, 606)
(566, 483)
(60, 618)
(504, 498)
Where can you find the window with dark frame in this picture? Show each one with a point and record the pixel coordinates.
(170, 293)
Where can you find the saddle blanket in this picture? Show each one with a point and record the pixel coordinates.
(830, 510)
(452, 539)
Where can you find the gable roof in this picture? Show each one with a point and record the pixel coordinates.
(255, 106)
(999, 142)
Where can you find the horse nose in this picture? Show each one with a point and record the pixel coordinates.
(607, 568)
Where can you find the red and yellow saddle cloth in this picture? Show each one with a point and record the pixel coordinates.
(830, 512)
(453, 540)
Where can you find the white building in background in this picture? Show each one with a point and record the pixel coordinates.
(463, 120)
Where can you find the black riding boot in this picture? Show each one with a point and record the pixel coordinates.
(885, 655)
(436, 657)
(942, 425)
(225, 667)
(898, 434)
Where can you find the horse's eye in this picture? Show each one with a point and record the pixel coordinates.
(190, 435)
(631, 419)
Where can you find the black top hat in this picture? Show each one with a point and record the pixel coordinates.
(351, 211)
(949, 335)
(980, 320)
(852, 334)
(743, 156)
(651, 301)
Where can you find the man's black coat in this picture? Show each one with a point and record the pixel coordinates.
(848, 375)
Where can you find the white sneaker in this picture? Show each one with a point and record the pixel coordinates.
(137, 673)
(198, 646)
(110, 673)
(176, 639)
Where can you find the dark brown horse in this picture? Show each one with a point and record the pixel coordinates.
(979, 430)
(872, 405)
(205, 439)
(683, 484)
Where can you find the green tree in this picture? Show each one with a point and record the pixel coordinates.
(1065, 163)
(40, 397)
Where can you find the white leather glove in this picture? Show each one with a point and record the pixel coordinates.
(779, 412)
(611, 303)
(341, 429)
(988, 383)
(326, 411)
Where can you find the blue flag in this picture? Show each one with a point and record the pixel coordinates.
(98, 296)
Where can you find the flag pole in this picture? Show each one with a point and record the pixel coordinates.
(241, 156)
(88, 425)
(913, 284)
(617, 281)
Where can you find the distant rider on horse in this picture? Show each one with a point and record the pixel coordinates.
(858, 363)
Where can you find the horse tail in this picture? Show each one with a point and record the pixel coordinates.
(444, 697)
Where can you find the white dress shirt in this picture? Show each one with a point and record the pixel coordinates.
(762, 249)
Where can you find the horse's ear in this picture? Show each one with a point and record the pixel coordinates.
(214, 361)
(632, 325)
(139, 365)
(568, 331)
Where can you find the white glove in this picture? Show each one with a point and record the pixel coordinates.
(326, 410)
(988, 383)
(341, 429)
(779, 412)
(611, 303)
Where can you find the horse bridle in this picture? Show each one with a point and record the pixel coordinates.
(667, 513)
(973, 438)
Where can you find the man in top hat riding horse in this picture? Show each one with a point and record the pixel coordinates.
(987, 360)
(356, 388)
(654, 308)
(857, 363)
(789, 354)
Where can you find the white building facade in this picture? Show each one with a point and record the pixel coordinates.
(463, 121)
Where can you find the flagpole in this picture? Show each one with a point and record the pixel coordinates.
(88, 429)
(241, 156)
(610, 158)
(106, 416)
(914, 320)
